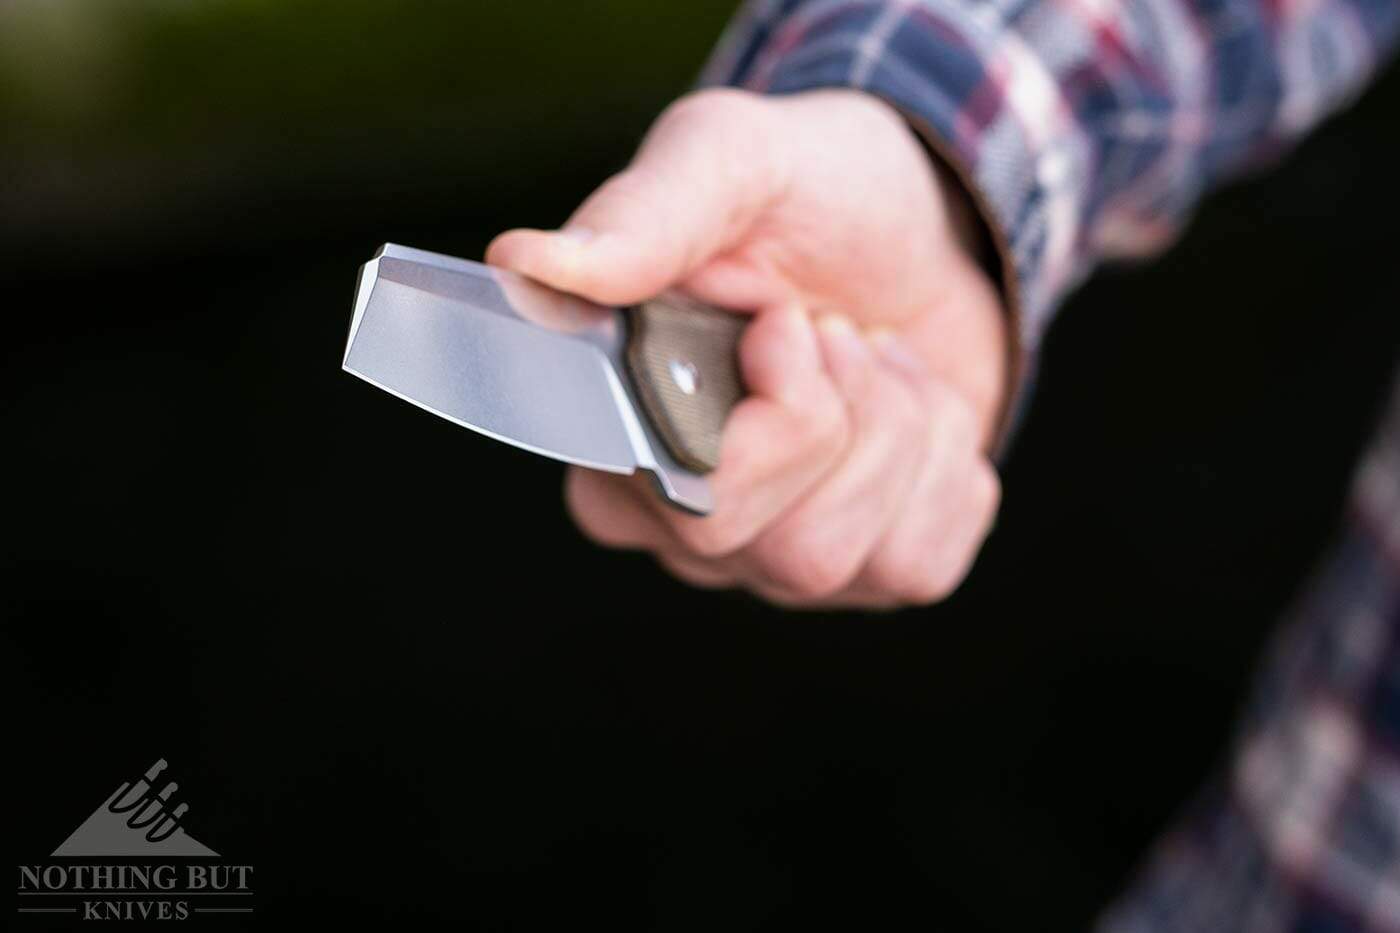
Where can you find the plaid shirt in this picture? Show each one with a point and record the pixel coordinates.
(1088, 129)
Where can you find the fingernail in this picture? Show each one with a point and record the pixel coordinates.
(892, 349)
(839, 329)
(837, 326)
(796, 321)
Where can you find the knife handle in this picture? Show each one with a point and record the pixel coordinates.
(683, 357)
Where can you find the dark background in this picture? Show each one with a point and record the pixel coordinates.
(388, 672)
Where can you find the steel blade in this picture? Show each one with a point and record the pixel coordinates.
(509, 358)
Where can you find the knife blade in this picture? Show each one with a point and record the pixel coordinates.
(615, 389)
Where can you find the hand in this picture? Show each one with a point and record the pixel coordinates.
(855, 472)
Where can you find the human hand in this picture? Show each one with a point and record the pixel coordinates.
(855, 472)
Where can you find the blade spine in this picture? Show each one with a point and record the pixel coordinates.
(427, 257)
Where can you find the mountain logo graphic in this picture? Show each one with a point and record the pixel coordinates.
(136, 820)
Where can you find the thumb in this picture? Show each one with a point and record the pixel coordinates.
(702, 177)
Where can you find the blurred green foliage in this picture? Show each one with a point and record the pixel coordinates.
(160, 108)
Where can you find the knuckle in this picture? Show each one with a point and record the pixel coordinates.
(805, 565)
(915, 583)
(708, 104)
(724, 139)
(888, 575)
(637, 198)
(907, 581)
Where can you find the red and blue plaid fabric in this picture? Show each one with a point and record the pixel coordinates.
(1089, 129)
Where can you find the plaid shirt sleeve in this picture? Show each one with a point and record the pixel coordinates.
(1088, 128)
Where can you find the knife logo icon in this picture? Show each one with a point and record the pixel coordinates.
(646, 388)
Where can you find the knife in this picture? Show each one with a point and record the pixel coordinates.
(618, 389)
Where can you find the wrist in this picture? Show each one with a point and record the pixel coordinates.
(971, 339)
